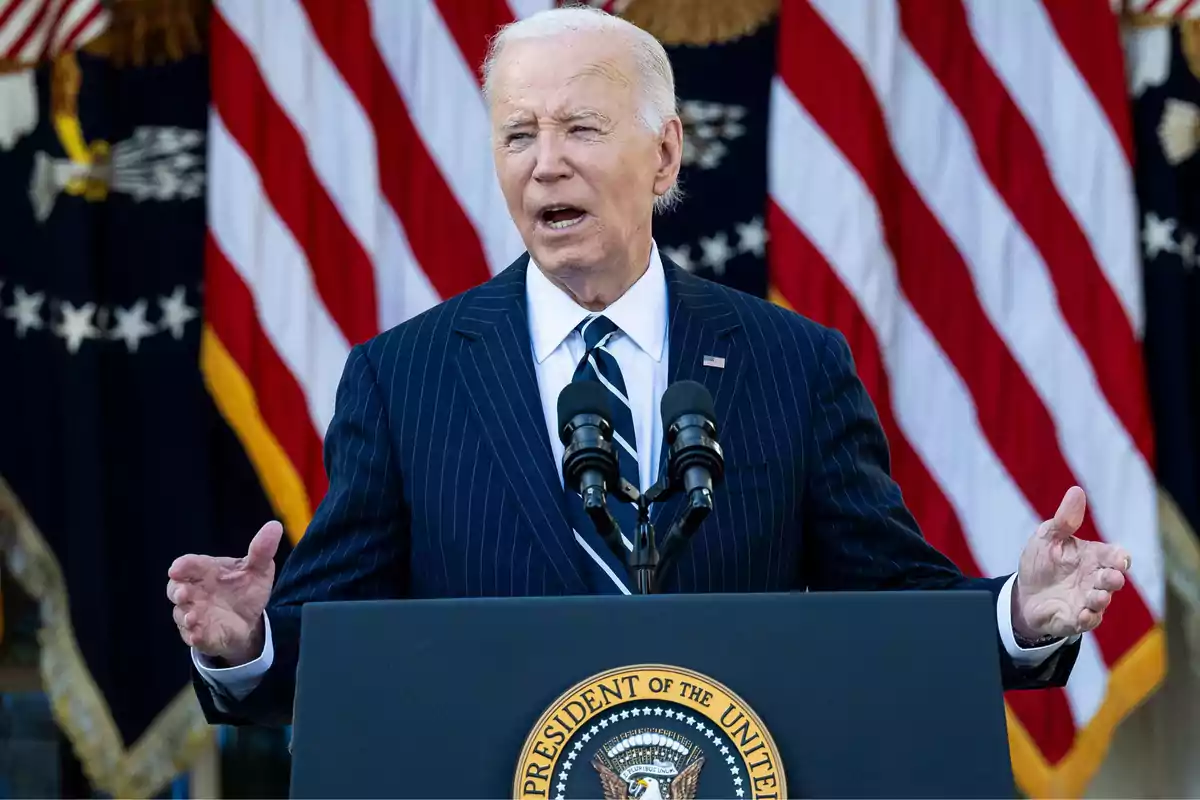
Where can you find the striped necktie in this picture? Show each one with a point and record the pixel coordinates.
(599, 364)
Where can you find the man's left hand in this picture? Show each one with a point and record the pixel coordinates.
(1064, 584)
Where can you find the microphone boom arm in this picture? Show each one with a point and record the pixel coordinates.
(602, 519)
(606, 524)
(700, 505)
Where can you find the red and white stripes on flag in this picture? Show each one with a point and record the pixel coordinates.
(351, 187)
(950, 186)
(34, 30)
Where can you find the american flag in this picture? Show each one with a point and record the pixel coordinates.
(34, 30)
(949, 185)
(351, 188)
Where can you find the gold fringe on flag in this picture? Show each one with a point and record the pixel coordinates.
(1182, 550)
(176, 737)
(698, 22)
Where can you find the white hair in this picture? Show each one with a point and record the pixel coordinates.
(656, 78)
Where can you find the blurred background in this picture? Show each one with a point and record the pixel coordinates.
(204, 205)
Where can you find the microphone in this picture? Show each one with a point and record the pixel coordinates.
(694, 462)
(694, 458)
(589, 460)
(585, 429)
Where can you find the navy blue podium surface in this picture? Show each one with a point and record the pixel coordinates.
(659, 697)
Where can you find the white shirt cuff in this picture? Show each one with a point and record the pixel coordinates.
(241, 680)
(1022, 656)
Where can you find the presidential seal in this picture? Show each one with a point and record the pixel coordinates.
(649, 732)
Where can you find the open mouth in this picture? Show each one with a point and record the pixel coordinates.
(561, 217)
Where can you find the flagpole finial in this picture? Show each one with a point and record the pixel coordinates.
(698, 22)
(1189, 43)
(153, 31)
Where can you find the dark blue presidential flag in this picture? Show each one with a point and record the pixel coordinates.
(724, 87)
(113, 459)
(1166, 108)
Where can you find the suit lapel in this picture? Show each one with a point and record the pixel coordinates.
(497, 370)
(704, 347)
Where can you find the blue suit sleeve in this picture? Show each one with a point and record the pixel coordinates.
(354, 548)
(858, 533)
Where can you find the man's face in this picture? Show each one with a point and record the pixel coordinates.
(578, 169)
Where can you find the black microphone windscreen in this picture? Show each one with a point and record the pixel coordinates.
(686, 397)
(582, 397)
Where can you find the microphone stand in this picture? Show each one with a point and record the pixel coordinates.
(646, 562)
(643, 562)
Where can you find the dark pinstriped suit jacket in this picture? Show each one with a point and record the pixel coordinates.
(442, 482)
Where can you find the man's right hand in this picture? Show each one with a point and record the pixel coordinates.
(219, 602)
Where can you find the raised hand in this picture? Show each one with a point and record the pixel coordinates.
(219, 602)
(1064, 583)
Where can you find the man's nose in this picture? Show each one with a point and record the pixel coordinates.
(551, 163)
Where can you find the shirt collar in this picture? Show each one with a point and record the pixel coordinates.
(641, 313)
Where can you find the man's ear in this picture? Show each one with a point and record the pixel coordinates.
(670, 156)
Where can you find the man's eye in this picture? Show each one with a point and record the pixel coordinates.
(512, 137)
(583, 128)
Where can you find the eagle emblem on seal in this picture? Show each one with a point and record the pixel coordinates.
(649, 765)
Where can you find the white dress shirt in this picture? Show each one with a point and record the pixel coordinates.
(641, 351)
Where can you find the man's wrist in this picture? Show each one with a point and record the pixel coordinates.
(1022, 631)
(244, 656)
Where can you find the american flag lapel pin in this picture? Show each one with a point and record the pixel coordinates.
(714, 361)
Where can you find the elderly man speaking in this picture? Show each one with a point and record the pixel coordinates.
(444, 455)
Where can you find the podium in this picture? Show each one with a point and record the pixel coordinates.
(659, 697)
